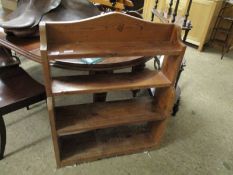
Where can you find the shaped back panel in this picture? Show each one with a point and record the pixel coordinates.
(111, 27)
(112, 34)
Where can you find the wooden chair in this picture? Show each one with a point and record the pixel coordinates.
(170, 15)
(93, 131)
(17, 90)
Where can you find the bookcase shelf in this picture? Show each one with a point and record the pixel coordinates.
(94, 145)
(86, 117)
(108, 82)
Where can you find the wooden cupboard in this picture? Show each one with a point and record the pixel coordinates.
(203, 15)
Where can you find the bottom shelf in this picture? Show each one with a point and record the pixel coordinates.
(105, 143)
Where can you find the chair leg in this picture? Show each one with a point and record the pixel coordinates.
(99, 97)
(176, 107)
(185, 35)
(137, 68)
(2, 137)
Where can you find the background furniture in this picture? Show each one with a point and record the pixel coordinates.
(92, 131)
(18, 90)
(170, 15)
(222, 35)
(203, 22)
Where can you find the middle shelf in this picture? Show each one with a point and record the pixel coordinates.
(85, 117)
(108, 82)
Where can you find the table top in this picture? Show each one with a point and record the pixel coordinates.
(30, 49)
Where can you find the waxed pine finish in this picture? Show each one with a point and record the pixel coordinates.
(79, 131)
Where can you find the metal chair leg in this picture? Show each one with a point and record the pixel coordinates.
(2, 137)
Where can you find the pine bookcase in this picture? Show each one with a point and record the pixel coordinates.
(87, 132)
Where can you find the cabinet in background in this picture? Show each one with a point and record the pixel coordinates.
(203, 15)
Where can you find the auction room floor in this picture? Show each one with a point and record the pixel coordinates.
(199, 140)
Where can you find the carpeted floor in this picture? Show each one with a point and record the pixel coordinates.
(199, 140)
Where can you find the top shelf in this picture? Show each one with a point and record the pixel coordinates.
(112, 49)
(109, 35)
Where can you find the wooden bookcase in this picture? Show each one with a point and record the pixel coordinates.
(87, 132)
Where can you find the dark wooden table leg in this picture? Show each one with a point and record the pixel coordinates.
(185, 35)
(137, 68)
(100, 97)
(2, 137)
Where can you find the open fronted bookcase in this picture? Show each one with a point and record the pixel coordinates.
(87, 132)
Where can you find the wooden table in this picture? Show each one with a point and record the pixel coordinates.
(29, 48)
(17, 90)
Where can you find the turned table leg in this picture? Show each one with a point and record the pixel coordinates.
(137, 68)
(100, 97)
(2, 137)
